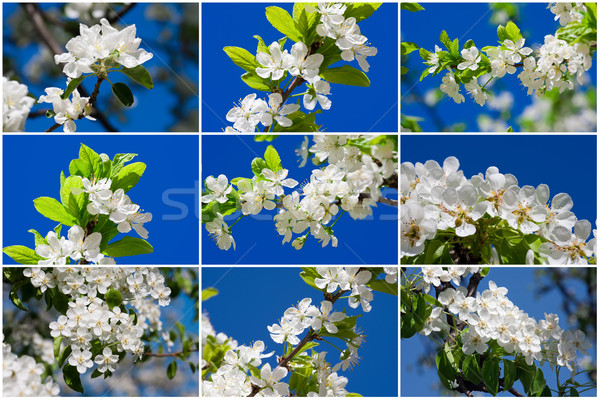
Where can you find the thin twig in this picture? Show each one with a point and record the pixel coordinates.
(168, 354)
(122, 11)
(53, 127)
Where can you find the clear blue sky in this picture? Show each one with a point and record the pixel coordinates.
(245, 318)
(354, 109)
(521, 285)
(32, 166)
(157, 102)
(567, 164)
(373, 240)
(468, 21)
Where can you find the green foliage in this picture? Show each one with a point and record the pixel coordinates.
(470, 368)
(272, 159)
(73, 84)
(408, 47)
(380, 285)
(301, 122)
(362, 11)
(56, 346)
(72, 379)
(172, 370)
(283, 22)
(13, 295)
(346, 75)
(22, 254)
(491, 374)
(113, 298)
(128, 246)
(510, 374)
(128, 176)
(52, 209)
(256, 82)
(306, 22)
(411, 7)
(123, 93)
(208, 293)
(242, 58)
(257, 165)
(140, 75)
(308, 275)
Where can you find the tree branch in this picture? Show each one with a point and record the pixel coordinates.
(118, 14)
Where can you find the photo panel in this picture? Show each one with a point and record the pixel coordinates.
(100, 199)
(336, 328)
(483, 331)
(101, 331)
(337, 206)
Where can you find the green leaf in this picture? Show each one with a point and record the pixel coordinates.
(60, 302)
(72, 378)
(74, 204)
(445, 40)
(52, 209)
(258, 164)
(573, 392)
(89, 161)
(502, 35)
(208, 293)
(242, 58)
(309, 278)
(444, 366)
(129, 176)
(128, 246)
(283, 22)
(56, 347)
(96, 373)
(538, 384)
(424, 55)
(411, 7)
(510, 374)
(485, 271)
(264, 138)
(381, 285)
(50, 114)
(63, 356)
(172, 370)
(468, 44)
(513, 31)
(305, 22)
(471, 370)
(408, 47)
(22, 254)
(272, 159)
(526, 373)
(510, 129)
(491, 374)
(346, 75)
(454, 48)
(13, 295)
(261, 47)
(123, 93)
(119, 161)
(140, 75)
(361, 11)
(256, 82)
(113, 298)
(72, 86)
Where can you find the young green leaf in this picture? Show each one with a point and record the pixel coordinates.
(172, 370)
(362, 11)
(411, 7)
(123, 93)
(510, 374)
(445, 40)
(256, 82)
(13, 295)
(257, 165)
(113, 298)
(128, 246)
(242, 58)
(22, 254)
(272, 159)
(408, 47)
(208, 293)
(72, 378)
(283, 22)
(73, 84)
(128, 176)
(52, 209)
(513, 32)
(346, 75)
(140, 75)
(491, 377)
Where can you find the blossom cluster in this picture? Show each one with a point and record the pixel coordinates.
(15, 106)
(89, 318)
(303, 64)
(67, 111)
(556, 65)
(351, 182)
(22, 376)
(490, 315)
(437, 198)
(97, 50)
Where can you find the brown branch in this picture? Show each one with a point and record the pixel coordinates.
(52, 128)
(92, 100)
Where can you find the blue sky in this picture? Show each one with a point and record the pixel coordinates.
(180, 309)
(532, 159)
(468, 21)
(161, 97)
(521, 285)
(273, 290)
(32, 166)
(354, 109)
(373, 240)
